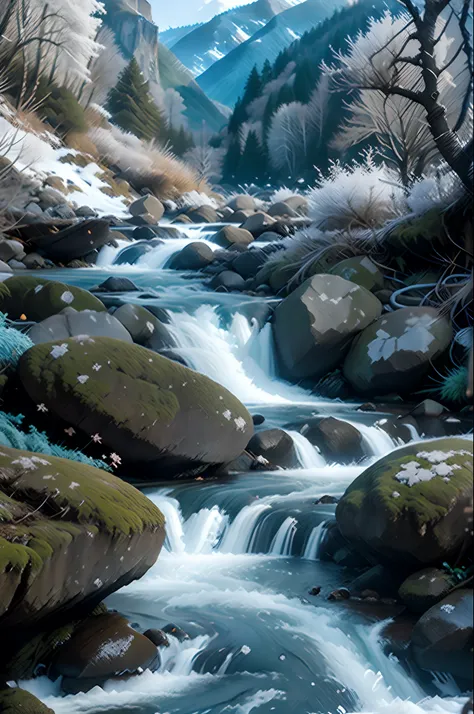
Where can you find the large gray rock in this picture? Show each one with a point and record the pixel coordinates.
(425, 588)
(338, 441)
(442, 637)
(115, 284)
(11, 249)
(229, 236)
(5, 268)
(102, 648)
(193, 256)
(249, 263)
(227, 280)
(298, 204)
(282, 209)
(314, 326)
(258, 223)
(144, 327)
(276, 446)
(147, 205)
(397, 350)
(71, 323)
(242, 203)
(203, 214)
(146, 408)
(360, 270)
(409, 507)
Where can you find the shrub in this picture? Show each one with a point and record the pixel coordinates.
(13, 344)
(60, 109)
(360, 195)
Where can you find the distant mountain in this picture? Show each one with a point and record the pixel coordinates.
(199, 48)
(136, 35)
(175, 14)
(175, 34)
(199, 108)
(225, 80)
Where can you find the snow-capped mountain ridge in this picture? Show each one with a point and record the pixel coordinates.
(205, 44)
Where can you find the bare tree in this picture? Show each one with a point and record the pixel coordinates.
(288, 136)
(429, 50)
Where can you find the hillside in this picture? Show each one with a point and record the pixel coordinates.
(199, 108)
(200, 48)
(225, 80)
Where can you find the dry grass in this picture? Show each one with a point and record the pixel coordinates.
(82, 143)
(146, 165)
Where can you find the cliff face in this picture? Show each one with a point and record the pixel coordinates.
(135, 33)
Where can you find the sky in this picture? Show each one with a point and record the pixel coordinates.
(175, 13)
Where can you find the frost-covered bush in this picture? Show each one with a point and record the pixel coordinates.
(12, 344)
(37, 441)
(360, 195)
(435, 191)
(282, 194)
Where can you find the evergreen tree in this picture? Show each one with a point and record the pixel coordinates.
(180, 140)
(252, 165)
(305, 81)
(253, 88)
(286, 95)
(131, 105)
(238, 117)
(270, 110)
(231, 163)
(267, 72)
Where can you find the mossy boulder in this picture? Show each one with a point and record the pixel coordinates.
(360, 270)
(37, 298)
(315, 325)
(397, 350)
(19, 701)
(144, 406)
(70, 535)
(409, 507)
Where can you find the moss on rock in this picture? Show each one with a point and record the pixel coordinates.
(143, 405)
(18, 701)
(69, 533)
(409, 506)
(38, 298)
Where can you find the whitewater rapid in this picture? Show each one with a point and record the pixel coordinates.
(241, 555)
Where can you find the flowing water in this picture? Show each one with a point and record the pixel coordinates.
(241, 555)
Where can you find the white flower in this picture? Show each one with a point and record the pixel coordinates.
(73, 485)
(395, 494)
(70, 431)
(245, 649)
(98, 583)
(42, 408)
(59, 351)
(83, 378)
(227, 415)
(115, 458)
(96, 367)
(96, 438)
(151, 327)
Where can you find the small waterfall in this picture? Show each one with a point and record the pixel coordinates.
(204, 529)
(174, 522)
(239, 535)
(225, 356)
(311, 551)
(283, 541)
(378, 443)
(415, 436)
(308, 455)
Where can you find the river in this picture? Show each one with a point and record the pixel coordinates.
(242, 554)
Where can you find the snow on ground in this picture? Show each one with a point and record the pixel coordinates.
(39, 157)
